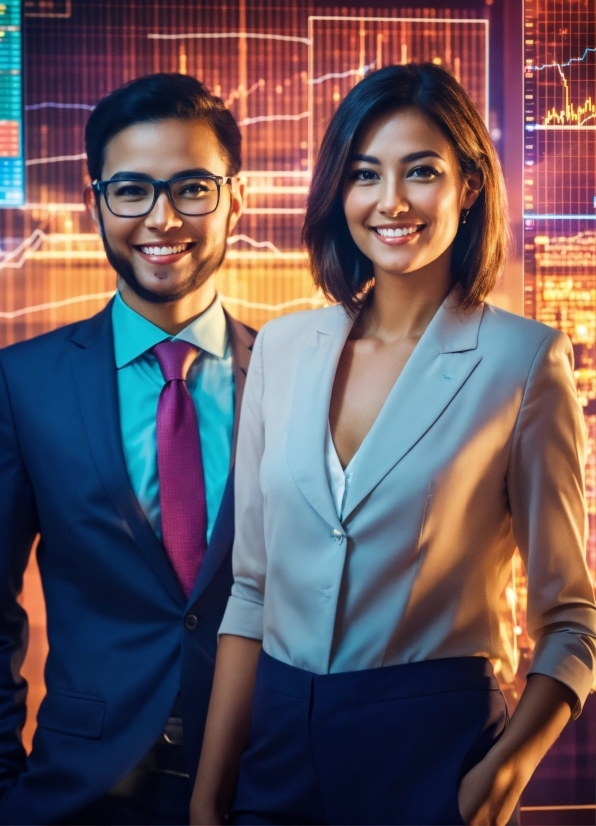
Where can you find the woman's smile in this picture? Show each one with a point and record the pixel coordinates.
(404, 195)
(397, 235)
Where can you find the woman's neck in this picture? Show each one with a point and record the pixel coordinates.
(402, 306)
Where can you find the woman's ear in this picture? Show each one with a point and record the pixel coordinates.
(472, 189)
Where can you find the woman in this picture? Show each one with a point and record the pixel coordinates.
(393, 451)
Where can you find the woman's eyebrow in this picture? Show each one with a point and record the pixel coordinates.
(416, 156)
(413, 156)
(366, 159)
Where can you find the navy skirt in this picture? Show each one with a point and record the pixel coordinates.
(384, 746)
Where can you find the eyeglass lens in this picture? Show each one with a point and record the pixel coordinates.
(191, 196)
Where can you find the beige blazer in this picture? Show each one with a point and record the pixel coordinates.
(478, 448)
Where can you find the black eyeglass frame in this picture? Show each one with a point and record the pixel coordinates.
(100, 187)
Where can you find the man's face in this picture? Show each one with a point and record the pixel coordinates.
(164, 256)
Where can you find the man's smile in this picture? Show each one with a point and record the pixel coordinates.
(164, 253)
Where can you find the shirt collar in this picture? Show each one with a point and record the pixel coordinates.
(134, 334)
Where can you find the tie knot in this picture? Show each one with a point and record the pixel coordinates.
(175, 358)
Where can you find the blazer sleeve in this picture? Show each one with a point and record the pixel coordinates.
(244, 613)
(545, 483)
(18, 526)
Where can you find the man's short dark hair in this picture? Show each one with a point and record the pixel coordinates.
(159, 97)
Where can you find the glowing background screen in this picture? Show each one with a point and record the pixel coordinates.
(282, 69)
(12, 146)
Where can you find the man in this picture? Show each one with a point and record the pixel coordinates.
(116, 442)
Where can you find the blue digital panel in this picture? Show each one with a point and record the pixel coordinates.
(12, 161)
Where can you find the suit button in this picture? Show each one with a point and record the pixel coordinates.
(190, 622)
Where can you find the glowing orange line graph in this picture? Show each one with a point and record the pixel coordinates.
(15, 259)
(235, 94)
(235, 239)
(56, 158)
(359, 72)
(313, 301)
(227, 35)
(81, 156)
(267, 118)
(50, 104)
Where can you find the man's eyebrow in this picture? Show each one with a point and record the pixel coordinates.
(124, 175)
(413, 156)
(192, 173)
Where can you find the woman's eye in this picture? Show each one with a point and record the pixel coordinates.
(364, 175)
(425, 172)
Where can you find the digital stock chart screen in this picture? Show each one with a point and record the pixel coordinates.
(560, 191)
(282, 69)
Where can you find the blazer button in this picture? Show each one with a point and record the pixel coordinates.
(338, 536)
(191, 622)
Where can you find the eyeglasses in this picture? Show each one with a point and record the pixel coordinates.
(198, 195)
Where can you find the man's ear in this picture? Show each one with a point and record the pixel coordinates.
(473, 188)
(238, 191)
(92, 207)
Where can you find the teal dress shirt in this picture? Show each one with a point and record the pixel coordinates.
(210, 382)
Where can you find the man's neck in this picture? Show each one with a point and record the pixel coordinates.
(173, 316)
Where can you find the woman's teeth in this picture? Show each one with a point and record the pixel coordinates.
(165, 250)
(395, 233)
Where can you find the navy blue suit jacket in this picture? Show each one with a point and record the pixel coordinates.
(123, 639)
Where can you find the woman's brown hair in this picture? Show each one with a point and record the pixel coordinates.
(480, 247)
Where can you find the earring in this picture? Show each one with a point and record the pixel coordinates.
(464, 215)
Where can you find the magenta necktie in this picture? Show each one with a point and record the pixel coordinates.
(180, 465)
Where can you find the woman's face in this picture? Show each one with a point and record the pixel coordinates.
(404, 195)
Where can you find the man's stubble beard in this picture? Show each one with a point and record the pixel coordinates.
(202, 272)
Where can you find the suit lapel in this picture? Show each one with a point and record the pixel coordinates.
(94, 375)
(441, 363)
(310, 412)
(222, 537)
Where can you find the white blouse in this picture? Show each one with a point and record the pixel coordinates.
(339, 478)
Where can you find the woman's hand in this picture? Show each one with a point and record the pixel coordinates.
(203, 815)
(226, 730)
(489, 793)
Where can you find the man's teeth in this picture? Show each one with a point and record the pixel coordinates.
(164, 250)
(395, 233)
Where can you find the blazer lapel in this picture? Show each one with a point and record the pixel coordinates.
(310, 412)
(441, 363)
(242, 339)
(222, 537)
(94, 375)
